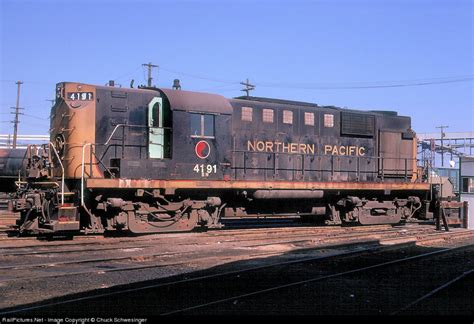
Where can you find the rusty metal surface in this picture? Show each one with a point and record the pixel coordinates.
(75, 121)
(395, 150)
(11, 162)
(451, 204)
(192, 184)
(288, 194)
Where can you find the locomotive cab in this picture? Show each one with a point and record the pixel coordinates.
(145, 142)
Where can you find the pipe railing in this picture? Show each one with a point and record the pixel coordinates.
(379, 168)
(106, 144)
(82, 172)
(62, 170)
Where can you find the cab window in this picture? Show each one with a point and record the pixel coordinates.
(202, 125)
(156, 115)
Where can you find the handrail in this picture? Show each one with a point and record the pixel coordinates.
(113, 132)
(105, 144)
(131, 126)
(62, 169)
(83, 164)
(82, 172)
(405, 172)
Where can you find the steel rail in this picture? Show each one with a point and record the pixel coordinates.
(302, 282)
(101, 259)
(205, 277)
(233, 272)
(433, 292)
(297, 238)
(325, 242)
(212, 235)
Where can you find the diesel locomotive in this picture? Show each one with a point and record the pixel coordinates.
(149, 160)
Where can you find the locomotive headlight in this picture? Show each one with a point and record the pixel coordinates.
(59, 90)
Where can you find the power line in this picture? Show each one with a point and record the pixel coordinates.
(126, 75)
(307, 86)
(368, 86)
(40, 118)
(52, 101)
(341, 85)
(370, 83)
(219, 88)
(200, 76)
(48, 83)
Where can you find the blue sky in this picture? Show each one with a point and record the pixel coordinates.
(316, 51)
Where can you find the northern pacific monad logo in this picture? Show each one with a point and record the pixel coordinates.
(202, 149)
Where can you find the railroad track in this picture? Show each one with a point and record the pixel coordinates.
(161, 256)
(244, 241)
(167, 284)
(249, 270)
(91, 248)
(233, 299)
(224, 236)
(227, 235)
(439, 289)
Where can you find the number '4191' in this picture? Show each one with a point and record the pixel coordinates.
(205, 169)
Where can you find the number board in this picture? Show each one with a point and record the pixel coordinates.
(82, 96)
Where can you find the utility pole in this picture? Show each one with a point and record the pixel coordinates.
(16, 113)
(150, 67)
(248, 87)
(442, 143)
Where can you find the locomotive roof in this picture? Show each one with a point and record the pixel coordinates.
(214, 103)
(309, 104)
(278, 101)
(197, 101)
(185, 100)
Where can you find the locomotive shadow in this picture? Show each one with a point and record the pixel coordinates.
(155, 297)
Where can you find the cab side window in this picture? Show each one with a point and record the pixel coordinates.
(156, 115)
(202, 125)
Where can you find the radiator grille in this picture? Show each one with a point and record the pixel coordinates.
(357, 124)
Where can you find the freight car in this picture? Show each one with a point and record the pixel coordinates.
(152, 160)
(11, 164)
